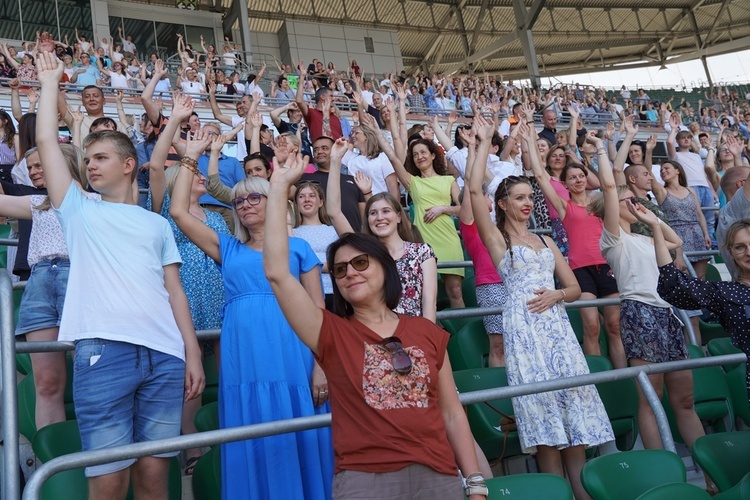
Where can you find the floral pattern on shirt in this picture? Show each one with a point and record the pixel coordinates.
(412, 278)
(384, 389)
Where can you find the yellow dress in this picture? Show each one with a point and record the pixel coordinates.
(440, 234)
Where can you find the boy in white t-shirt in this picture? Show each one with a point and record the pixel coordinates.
(137, 356)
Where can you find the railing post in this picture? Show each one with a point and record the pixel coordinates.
(658, 409)
(11, 480)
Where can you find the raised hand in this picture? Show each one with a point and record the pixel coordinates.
(182, 107)
(642, 213)
(256, 120)
(484, 129)
(401, 92)
(290, 171)
(119, 97)
(651, 142)
(528, 112)
(49, 68)
(159, 70)
(631, 128)
(77, 115)
(339, 148)
(302, 70)
(468, 136)
(196, 144)
(734, 145)
(364, 183)
(33, 96)
(217, 144)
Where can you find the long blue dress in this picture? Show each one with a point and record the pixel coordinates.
(265, 375)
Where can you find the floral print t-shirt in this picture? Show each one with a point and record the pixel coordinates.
(412, 278)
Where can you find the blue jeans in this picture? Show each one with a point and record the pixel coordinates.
(125, 393)
(44, 296)
(706, 198)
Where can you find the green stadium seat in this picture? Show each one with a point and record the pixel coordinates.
(63, 438)
(23, 363)
(722, 346)
(740, 491)
(27, 402)
(672, 491)
(713, 274)
(453, 326)
(738, 391)
(713, 402)
(211, 392)
(469, 291)
(724, 457)
(207, 417)
(484, 421)
(207, 476)
(576, 322)
(620, 399)
(524, 486)
(710, 331)
(629, 474)
(470, 347)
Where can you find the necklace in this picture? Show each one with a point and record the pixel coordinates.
(524, 239)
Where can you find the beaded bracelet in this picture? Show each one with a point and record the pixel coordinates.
(192, 168)
(189, 161)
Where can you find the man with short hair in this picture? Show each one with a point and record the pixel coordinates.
(87, 74)
(243, 106)
(92, 99)
(128, 47)
(352, 199)
(504, 129)
(321, 120)
(294, 116)
(549, 132)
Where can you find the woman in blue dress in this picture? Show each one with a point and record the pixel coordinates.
(200, 277)
(266, 373)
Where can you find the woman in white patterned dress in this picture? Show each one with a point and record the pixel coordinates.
(539, 341)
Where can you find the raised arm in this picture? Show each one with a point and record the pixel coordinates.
(305, 318)
(277, 112)
(489, 233)
(58, 178)
(648, 158)
(541, 174)
(609, 188)
(227, 120)
(182, 108)
(333, 189)
(442, 137)
(300, 97)
(199, 233)
(18, 207)
(147, 97)
(124, 117)
(674, 122)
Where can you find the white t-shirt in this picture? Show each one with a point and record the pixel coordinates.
(633, 260)
(116, 282)
(377, 169)
(241, 147)
(193, 88)
(693, 166)
(118, 81)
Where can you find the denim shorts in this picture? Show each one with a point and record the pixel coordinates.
(123, 394)
(44, 296)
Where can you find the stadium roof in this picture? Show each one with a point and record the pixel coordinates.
(566, 36)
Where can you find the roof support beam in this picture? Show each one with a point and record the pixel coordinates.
(462, 27)
(484, 53)
(527, 43)
(478, 26)
(534, 11)
(716, 22)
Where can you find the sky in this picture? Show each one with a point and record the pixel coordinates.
(727, 68)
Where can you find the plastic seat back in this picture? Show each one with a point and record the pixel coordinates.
(628, 474)
(725, 457)
(454, 325)
(469, 291)
(27, 402)
(484, 421)
(63, 438)
(207, 476)
(207, 417)
(721, 347)
(620, 399)
(736, 381)
(523, 486)
(211, 392)
(673, 491)
(470, 347)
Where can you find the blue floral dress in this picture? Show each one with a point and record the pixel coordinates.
(542, 347)
(199, 274)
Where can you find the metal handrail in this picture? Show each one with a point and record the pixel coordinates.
(640, 373)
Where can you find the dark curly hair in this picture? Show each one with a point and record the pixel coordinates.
(438, 164)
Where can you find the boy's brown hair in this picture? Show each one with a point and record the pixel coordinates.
(122, 144)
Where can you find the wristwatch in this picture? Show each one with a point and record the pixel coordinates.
(476, 490)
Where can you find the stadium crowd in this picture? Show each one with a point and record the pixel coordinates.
(314, 247)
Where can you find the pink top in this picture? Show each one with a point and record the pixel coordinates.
(484, 271)
(562, 191)
(584, 232)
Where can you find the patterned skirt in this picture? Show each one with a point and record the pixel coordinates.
(653, 334)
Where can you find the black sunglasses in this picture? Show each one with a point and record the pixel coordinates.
(359, 263)
(399, 358)
(252, 199)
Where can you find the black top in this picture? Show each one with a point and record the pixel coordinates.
(351, 196)
(21, 265)
(728, 300)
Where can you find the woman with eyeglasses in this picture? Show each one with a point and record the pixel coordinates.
(119, 76)
(651, 333)
(398, 425)
(729, 301)
(200, 277)
(539, 342)
(266, 373)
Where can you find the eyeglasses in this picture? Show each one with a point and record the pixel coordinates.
(631, 199)
(359, 263)
(399, 358)
(738, 249)
(252, 199)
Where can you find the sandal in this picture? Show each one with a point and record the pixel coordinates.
(190, 465)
